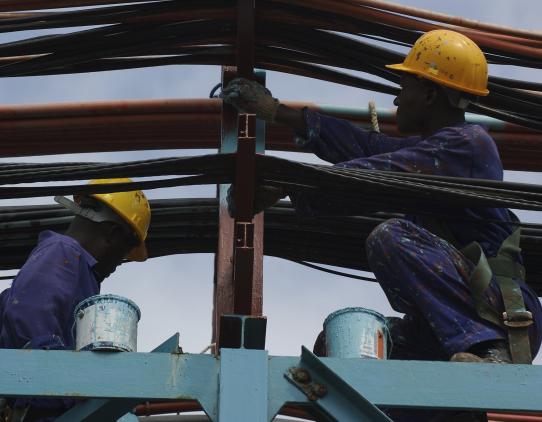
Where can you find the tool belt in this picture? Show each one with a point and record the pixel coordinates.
(515, 319)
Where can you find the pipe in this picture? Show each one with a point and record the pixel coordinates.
(201, 106)
(17, 5)
(364, 13)
(452, 20)
(509, 417)
(149, 409)
(184, 124)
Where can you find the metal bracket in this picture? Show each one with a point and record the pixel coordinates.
(330, 392)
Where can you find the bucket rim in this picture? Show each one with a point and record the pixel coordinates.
(355, 309)
(89, 301)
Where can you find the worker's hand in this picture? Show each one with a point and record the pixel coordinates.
(265, 197)
(252, 98)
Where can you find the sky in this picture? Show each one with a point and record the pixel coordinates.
(175, 292)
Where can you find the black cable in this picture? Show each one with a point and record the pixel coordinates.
(327, 270)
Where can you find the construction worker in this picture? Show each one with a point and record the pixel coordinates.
(64, 269)
(459, 279)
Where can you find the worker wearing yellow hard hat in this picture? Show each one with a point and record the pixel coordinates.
(447, 58)
(446, 270)
(63, 270)
(133, 207)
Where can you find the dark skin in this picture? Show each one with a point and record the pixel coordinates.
(108, 242)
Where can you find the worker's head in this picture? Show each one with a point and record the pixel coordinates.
(111, 226)
(442, 73)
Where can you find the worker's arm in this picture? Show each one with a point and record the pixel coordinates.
(38, 309)
(333, 140)
(449, 152)
(338, 140)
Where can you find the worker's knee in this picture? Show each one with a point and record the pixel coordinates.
(384, 237)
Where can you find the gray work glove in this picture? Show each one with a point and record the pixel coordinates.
(252, 98)
(265, 197)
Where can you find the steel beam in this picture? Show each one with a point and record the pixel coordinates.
(422, 384)
(245, 37)
(109, 375)
(239, 259)
(163, 376)
(98, 410)
(223, 278)
(243, 385)
(330, 392)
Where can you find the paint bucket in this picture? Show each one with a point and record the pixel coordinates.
(106, 322)
(356, 333)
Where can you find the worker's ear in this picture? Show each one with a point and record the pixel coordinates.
(112, 233)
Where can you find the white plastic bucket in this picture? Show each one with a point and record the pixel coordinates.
(356, 333)
(106, 322)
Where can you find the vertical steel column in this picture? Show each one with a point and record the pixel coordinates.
(243, 392)
(223, 282)
(239, 259)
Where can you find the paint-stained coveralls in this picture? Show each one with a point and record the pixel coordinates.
(37, 311)
(422, 275)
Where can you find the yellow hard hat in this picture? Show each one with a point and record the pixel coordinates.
(134, 208)
(448, 58)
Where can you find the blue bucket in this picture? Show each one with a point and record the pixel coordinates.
(106, 322)
(357, 333)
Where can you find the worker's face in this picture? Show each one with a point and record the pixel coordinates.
(119, 241)
(413, 104)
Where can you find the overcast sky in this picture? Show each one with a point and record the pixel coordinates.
(175, 293)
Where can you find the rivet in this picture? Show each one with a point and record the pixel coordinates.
(301, 375)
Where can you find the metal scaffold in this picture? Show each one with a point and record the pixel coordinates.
(240, 381)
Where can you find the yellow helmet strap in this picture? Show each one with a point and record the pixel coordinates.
(457, 99)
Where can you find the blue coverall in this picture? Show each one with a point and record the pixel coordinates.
(422, 275)
(37, 311)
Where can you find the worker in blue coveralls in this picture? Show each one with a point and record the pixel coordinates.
(459, 281)
(64, 269)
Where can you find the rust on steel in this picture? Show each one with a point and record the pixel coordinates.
(223, 276)
(237, 287)
(245, 288)
(185, 124)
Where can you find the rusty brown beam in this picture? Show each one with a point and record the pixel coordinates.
(17, 5)
(184, 124)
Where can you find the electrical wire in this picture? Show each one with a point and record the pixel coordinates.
(334, 272)
(159, 33)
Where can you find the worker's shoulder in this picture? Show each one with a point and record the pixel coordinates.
(53, 245)
(465, 135)
(469, 132)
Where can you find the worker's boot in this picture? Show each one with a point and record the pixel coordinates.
(487, 352)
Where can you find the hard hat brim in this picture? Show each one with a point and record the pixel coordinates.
(138, 254)
(402, 68)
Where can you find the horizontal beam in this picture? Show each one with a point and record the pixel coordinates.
(110, 375)
(161, 376)
(423, 384)
(182, 124)
(97, 410)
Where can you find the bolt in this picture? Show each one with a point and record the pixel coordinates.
(301, 375)
(319, 390)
